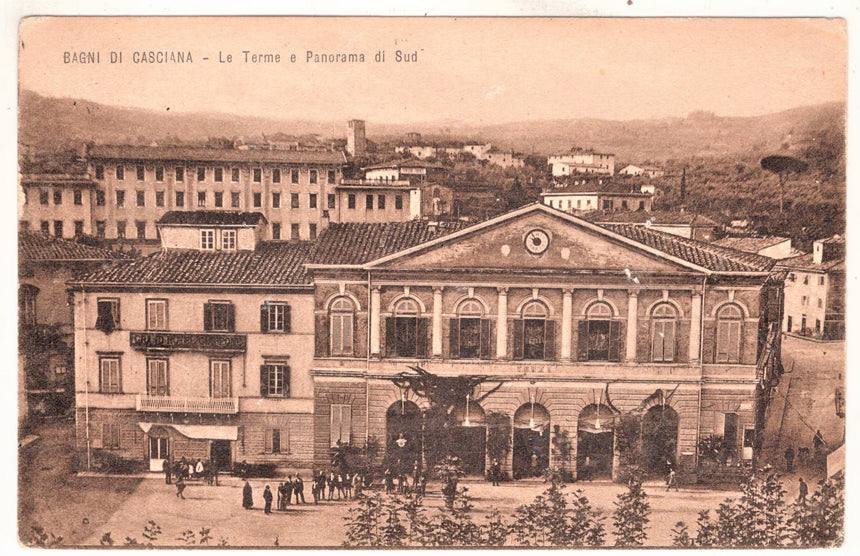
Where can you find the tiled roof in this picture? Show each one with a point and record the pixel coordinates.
(700, 253)
(203, 154)
(357, 243)
(409, 163)
(271, 264)
(806, 262)
(36, 246)
(663, 217)
(212, 218)
(750, 244)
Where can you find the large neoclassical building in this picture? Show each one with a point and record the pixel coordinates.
(572, 325)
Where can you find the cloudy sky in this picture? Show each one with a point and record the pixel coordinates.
(484, 70)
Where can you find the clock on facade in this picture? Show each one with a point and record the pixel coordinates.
(536, 241)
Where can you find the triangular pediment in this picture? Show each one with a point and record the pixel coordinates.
(570, 244)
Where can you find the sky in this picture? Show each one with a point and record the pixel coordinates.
(472, 70)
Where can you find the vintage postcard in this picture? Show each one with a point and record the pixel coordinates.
(431, 282)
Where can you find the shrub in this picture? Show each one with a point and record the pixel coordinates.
(631, 516)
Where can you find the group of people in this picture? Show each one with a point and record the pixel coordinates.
(185, 469)
(398, 481)
(340, 486)
(803, 454)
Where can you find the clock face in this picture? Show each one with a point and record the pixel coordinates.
(537, 241)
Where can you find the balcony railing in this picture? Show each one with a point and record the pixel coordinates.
(175, 404)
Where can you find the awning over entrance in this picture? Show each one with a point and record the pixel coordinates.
(200, 432)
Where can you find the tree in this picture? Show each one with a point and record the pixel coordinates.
(783, 166)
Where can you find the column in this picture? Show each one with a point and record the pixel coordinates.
(632, 325)
(374, 320)
(566, 314)
(695, 327)
(437, 321)
(502, 324)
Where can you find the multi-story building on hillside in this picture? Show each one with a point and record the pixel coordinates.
(596, 195)
(582, 162)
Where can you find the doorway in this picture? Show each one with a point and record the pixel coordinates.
(159, 450)
(531, 441)
(221, 454)
(595, 446)
(659, 439)
(403, 435)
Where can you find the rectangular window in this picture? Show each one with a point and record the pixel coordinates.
(276, 440)
(368, 202)
(258, 175)
(406, 336)
(100, 228)
(207, 240)
(43, 197)
(141, 198)
(141, 229)
(234, 199)
(100, 172)
(641, 205)
(78, 197)
(219, 199)
(294, 231)
(341, 327)
(141, 173)
(821, 280)
(788, 324)
(156, 377)
(234, 175)
(276, 230)
(312, 200)
(219, 316)
(219, 174)
(802, 323)
(180, 173)
(201, 173)
(180, 198)
(398, 202)
(120, 173)
(607, 204)
(818, 325)
(275, 317)
(341, 424)
(820, 303)
(219, 378)
(46, 227)
(120, 198)
(276, 175)
(624, 204)
(728, 341)
(380, 202)
(111, 436)
(159, 173)
(294, 175)
(159, 198)
(332, 176)
(350, 201)
(107, 319)
(331, 200)
(156, 314)
(313, 231)
(258, 200)
(313, 176)
(804, 300)
(805, 279)
(100, 197)
(294, 200)
(201, 198)
(58, 197)
(663, 341)
(120, 229)
(228, 240)
(79, 227)
(275, 380)
(58, 228)
(276, 200)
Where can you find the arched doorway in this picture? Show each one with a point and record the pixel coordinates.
(403, 435)
(595, 446)
(466, 437)
(659, 439)
(531, 440)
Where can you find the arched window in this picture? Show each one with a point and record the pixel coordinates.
(406, 332)
(534, 333)
(600, 337)
(341, 321)
(664, 319)
(469, 332)
(729, 321)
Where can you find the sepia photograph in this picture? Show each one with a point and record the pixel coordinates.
(412, 282)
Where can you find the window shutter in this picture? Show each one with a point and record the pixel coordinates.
(454, 338)
(672, 349)
(106, 436)
(518, 338)
(719, 423)
(207, 317)
(322, 335)
(656, 341)
(346, 424)
(582, 341)
(422, 338)
(735, 337)
(616, 340)
(264, 380)
(549, 340)
(288, 325)
(264, 317)
(285, 441)
(390, 337)
(286, 381)
(268, 446)
(334, 426)
(231, 317)
(358, 323)
(486, 339)
(722, 341)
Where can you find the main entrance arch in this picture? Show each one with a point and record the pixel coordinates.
(659, 439)
(531, 440)
(403, 434)
(466, 438)
(595, 446)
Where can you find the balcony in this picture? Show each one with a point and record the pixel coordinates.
(175, 404)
